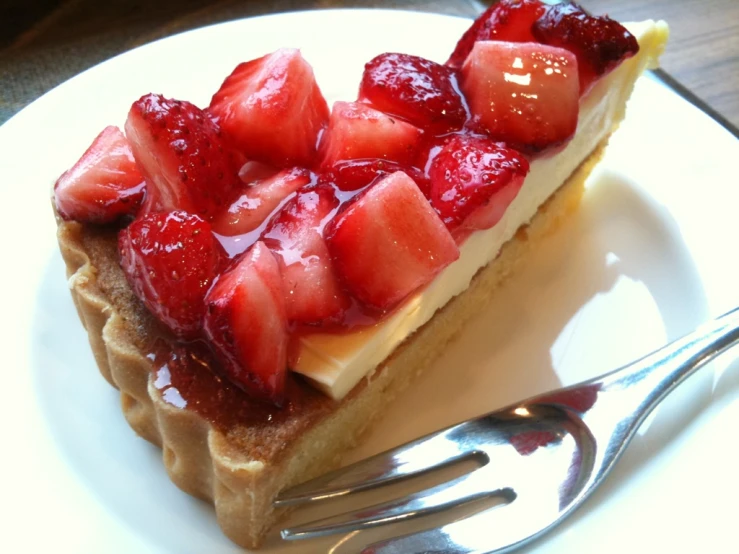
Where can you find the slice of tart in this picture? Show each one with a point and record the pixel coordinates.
(261, 277)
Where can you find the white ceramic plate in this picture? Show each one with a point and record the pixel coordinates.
(649, 256)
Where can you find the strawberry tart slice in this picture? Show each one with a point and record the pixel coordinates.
(259, 277)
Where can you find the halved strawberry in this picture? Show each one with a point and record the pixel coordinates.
(258, 202)
(599, 42)
(507, 20)
(247, 325)
(357, 131)
(104, 184)
(295, 236)
(187, 164)
(420, 91)
(350, 175)
(473, 181)
(272, 109)
(523, 93)
(389, 242)
(170, 261)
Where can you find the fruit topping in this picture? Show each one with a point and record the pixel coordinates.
(525, 94)
(272, 109)
(254, 171)
(507, 20)
(313, 294)
(258, 201)
(357, 131)
(170, 260)
(598, 42)
(104, 184)
(186, 162)
(420, 91)
(352, 175)
(247, 325)
(473, 180)
(388, 242)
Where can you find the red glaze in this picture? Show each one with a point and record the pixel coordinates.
(417, 90)
(388, 242)
(357, 131)
(524, 94)
(272, 109)
(188, 376)
(598, 42)
(246, 324)
(352, 175)
(473, 180)
(313, 295)
(507, 20)
(104, 184)
(187, 164)
(170, 261)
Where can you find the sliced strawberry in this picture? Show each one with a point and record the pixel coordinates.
(258, 202)
(599, 42)
(357, 131)
(473, 180)
(507, 20)
(295, 236)
(180, 151)
(389, 242)
(272, 109)
(350, 175)
(525, 94)
(420, 91)
(247, 325)
(170, 261)
(104, 184)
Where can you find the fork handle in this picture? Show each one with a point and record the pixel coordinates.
(636, 389)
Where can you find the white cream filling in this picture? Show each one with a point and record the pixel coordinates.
(335, 363)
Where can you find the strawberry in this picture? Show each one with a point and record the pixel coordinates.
(258, 202)
(295, 236)
(357, 131)
(104, 184)
(246, 324)
(170, 261)
(473, 180)
(507, 20)
(599, 43)
(272, 109)
(420, 91)
(525, 94)
(180, 151)
(254, 171)
(388, 242)
(350, 175)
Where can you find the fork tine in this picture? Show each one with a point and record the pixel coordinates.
(494, 530)
(473, 486)
(415, 458)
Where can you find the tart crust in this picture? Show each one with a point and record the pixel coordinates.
(240, 470)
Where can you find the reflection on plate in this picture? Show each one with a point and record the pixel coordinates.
(647, 258)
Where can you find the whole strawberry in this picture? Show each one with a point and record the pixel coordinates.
(186, 161)
(170, 260)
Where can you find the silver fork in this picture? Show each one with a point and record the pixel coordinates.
(542, 457)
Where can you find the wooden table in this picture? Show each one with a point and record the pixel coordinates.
(44, 42)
